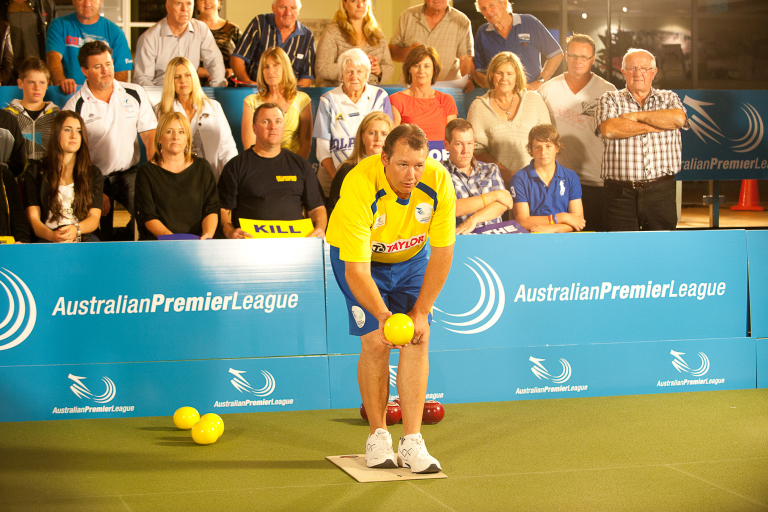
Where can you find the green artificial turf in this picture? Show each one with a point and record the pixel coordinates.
(705, 451)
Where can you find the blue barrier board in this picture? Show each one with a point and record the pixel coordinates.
(757, 248)
(581, 288)
(528, 373)
(762, 362)
(223, 386)
(156, 301)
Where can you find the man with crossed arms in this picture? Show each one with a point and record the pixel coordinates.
(640, 127)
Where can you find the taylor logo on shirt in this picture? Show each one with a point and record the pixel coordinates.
(423, 212)
(398, 245)
(562, 187)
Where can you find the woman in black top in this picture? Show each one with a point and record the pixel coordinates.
(176, 192)
(64, 191)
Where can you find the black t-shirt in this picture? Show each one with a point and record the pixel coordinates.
(34, 114)
(338, 180)
(278, 188)
(179, 200)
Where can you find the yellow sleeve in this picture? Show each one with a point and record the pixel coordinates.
(304, 100)
(442, 231)
(352, 229)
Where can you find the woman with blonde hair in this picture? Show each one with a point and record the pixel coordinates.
(175, 192)
(369, 140)
(277, 84)
(64, 190)
(211, 137)
(503, 117)
(353, 26)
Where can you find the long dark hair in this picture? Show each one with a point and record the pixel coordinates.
(81, 174)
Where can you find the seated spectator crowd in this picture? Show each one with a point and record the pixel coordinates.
(556, 154)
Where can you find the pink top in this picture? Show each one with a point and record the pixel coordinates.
(429, 114)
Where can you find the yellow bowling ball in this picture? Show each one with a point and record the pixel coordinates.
(205, 432)
(216, 420)
(398, 329)
(185, 417)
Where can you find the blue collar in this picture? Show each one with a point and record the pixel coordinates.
(531, 171)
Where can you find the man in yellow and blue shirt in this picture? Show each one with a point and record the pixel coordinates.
(390, 206)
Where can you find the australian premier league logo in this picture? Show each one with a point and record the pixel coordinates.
(18, 311)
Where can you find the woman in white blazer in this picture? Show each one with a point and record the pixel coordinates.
(211, 136)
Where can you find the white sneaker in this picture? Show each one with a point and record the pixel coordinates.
(412, 453)
(378, 450)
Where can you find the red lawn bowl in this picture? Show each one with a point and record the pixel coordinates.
(363, 414)
(393, 413)
(433, 412)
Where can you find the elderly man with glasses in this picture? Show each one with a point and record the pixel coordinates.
(571, 99)
(640, 127)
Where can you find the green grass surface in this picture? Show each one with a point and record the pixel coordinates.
(705, 451)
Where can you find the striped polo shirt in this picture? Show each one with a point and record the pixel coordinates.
(262, 33)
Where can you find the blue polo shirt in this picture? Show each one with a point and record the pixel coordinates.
(544, 200)
(527, 38)
(66, 35)
(262, 33)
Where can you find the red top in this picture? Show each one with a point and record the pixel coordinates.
(429, 114)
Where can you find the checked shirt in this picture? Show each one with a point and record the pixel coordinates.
(484, 178)
(642, 157)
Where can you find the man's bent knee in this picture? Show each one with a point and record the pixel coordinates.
(372, 346)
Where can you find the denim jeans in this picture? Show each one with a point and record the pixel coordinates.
(651, 208)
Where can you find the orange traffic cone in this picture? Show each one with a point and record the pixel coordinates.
(749, 199)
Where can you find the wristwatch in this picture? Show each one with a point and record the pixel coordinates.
(539, 79)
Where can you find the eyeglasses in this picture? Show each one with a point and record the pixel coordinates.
(582, 58)
(641, 70)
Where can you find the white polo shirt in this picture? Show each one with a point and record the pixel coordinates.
(113, 127)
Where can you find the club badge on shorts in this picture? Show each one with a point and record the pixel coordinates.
(359, 315)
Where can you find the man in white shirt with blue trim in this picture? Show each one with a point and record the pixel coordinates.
(114, 114)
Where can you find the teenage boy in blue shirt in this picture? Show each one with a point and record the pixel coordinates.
(547, 196)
